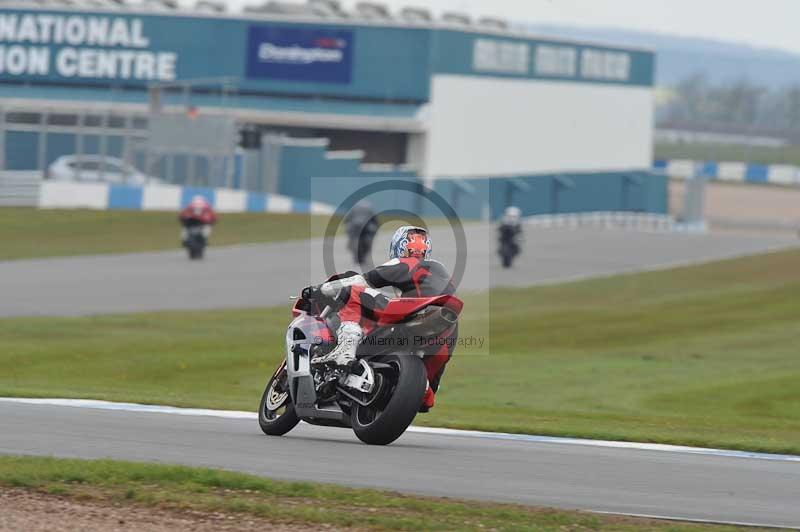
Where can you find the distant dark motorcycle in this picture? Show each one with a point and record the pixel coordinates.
(362, 224)
(360, 244)
(508, 252)
(509, 245)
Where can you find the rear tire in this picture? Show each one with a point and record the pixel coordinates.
(389, 417)
(196, 248)
(276, 415)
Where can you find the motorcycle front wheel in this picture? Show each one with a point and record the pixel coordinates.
(276, 414)
(392, 411)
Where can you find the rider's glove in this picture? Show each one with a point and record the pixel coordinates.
(310, 293)
(333, 288)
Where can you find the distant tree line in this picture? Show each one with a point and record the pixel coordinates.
(741, 106)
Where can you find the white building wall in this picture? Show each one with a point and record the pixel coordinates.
(485, 126)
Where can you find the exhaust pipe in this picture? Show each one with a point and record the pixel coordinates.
(449, 315)
(433, 321)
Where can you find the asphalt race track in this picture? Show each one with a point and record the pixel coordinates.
(619, 480)
(265, 275)
(645, 482)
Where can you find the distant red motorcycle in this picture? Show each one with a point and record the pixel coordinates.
(381, 393)
(197, 219)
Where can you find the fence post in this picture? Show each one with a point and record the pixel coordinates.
(2, 138)
(41, 162)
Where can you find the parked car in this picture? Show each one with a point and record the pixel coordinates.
(97, 169)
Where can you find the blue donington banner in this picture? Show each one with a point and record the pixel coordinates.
(292, 54)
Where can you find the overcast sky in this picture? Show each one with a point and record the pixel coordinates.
(763, 23)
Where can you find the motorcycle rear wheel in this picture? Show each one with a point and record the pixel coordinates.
(388, 417)
(276, 415)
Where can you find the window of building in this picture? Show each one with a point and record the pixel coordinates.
(23, 118)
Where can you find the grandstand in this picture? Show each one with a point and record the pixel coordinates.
(484, 113)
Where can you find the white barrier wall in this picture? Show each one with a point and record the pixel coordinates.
(73, 196)
(487, 126)
(733, 171)
(161, 197)
(102, 196)
(757, 173)
(231, 200)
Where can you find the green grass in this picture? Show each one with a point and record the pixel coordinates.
(32, 233)
(206, 490)
(727, 152)
(704, 355)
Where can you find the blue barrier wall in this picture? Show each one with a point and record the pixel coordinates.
(551, 194)
(307, 172)
(778, 174)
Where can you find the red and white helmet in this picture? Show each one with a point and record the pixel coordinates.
(199, 202)
(410, 241)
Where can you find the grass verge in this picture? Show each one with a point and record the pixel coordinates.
(206, 490)
(33, 233)
(28, 233)
(704, 356)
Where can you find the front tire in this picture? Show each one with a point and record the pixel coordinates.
(276, 415)
(389, 416)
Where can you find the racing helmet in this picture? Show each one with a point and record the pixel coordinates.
(199, 201)
(512, 215)
(198, 205)
(410, 241)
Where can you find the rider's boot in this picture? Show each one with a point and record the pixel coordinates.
(348, 337)
(427, 400)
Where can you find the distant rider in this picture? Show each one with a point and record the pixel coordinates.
(411, 273)
(362, 224)
(198, 213)
(510, 229)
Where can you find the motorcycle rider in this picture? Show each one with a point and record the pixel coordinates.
(411, 273)
(361, 224)
(510, 229)
(197, 212)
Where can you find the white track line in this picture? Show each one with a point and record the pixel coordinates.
(690, 520)
(233, 414)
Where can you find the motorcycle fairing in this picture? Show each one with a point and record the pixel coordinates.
(304, 332)
(307, 330)
(401, 308)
